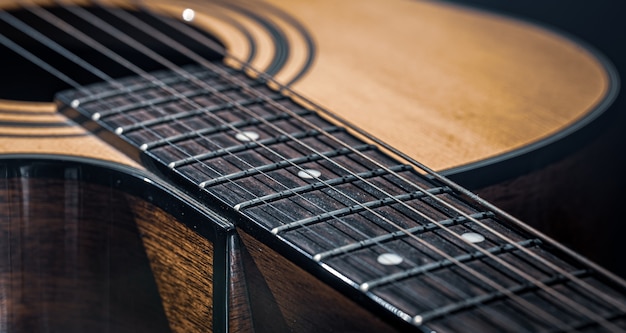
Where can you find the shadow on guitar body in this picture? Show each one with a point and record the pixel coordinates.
(72, 258)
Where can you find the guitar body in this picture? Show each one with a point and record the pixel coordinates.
(454, 88)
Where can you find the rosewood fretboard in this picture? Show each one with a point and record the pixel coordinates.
(390, 233)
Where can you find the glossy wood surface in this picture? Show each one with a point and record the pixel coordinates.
(446, 85)
(82, 250)
(285, 298)
(182, 263)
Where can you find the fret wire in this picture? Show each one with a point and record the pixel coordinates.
(361, 191)
(393, 235)
(183, 115)
(582, 310)
(143, 103)
(155, 102)
(247, 146)
(355, 209)
(281, 164)
(487, 298)
(137, 87)
(220, 128)
(316, 186)
(576, 280)
(366, 286)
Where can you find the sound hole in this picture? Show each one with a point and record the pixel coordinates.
(23, 80)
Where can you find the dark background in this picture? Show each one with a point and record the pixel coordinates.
(575, 195)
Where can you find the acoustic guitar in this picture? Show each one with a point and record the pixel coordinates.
(208, 167)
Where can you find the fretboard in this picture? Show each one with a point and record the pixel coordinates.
(406, 241)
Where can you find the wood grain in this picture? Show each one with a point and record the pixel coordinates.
(182, 264)
(65, 139)
(240, 307)
(442, 83)
(80, 255)
(73, 261)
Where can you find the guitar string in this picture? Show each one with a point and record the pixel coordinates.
(570, 276)
(133, 43)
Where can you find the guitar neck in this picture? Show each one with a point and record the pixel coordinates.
(399, 237)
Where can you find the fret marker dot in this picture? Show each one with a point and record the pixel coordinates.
(247, 136)
(95, 116)
(473, 237)
(75, 103)
(309, 174)
(389, 259)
